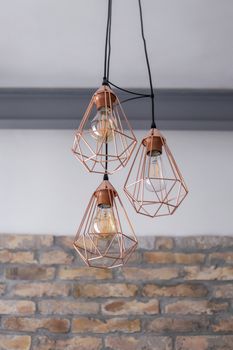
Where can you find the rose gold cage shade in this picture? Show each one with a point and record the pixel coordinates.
(158, 200)
(105, 249)
(116, 131)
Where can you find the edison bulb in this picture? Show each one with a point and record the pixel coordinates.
(104, 223)
(103, 125)
(154, 173)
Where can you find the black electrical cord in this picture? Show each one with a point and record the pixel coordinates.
(153, 124)
(106, 70)
(109, 38)
(107, 50)
(106, 81)
(106, 160)
(133, 98)
(128, 91)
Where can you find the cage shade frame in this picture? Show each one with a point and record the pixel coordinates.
(112, 250)
(155, 203)
(92, 152)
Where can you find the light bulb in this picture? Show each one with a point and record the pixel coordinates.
(104, 223)
(154, 173)
(103, 125)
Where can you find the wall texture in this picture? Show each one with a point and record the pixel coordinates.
(45, 45)
(45, 189)
(175, 294)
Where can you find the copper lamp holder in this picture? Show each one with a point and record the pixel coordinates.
(153, 144)
(101, 101)
(105, 194)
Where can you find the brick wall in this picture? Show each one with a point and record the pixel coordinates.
(175, 294)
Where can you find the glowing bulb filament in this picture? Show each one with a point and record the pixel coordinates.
(104, 223)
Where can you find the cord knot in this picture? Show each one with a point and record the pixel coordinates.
(105, 81)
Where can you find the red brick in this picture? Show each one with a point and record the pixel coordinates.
(78, 343)
(29, 273)
(15, 342)
(223, 291)
(67, 273)
(195, 307)
(23, 307)
(179, 290)
(26, 324)
(146, 242)
(105, 290)
(223, 325)
(224, 342)
(134, 307)
(64, 307)
(135, 258)
(164, 273)
(65, 241)
(192, 343)
(226, 257)
(2, 288)
(203, 242)
(74, 343)
(25, 241)
(205, 343)
(164, 243)
(55, 257)
(224, 273)
(143, 343)
(83, 325)
(173, 258)
(7, 256)
(177, 325)
(41, 290)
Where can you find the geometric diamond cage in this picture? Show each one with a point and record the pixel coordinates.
(101, 244)
(112, 128)
(155, 189)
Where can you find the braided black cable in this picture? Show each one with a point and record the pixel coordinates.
(153, 124)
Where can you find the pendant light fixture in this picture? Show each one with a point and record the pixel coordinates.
(105, 237)
(104, 124)
(154, 186)
(104, 143)
(101, 240)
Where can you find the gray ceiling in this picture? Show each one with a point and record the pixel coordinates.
(59, 43)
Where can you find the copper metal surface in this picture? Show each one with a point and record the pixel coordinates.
(153, 144)
(101, 101)
(155, 203)
(104, 198)
(92, 152)
(107, 250)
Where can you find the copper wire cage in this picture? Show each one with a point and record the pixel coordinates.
(155, 187)
(104, 122)
(101, 240)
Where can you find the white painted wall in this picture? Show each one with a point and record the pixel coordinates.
(60, 43)
(44, 189)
